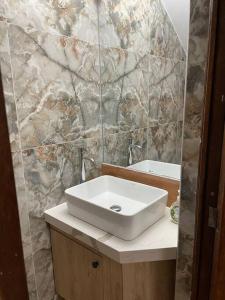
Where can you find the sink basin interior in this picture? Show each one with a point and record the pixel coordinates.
(117, 195)
(126, 206)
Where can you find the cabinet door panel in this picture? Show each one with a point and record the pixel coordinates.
(77, 270)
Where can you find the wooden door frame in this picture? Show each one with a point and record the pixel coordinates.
(13, 283)
(210, 217)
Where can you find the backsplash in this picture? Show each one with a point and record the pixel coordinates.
(85, 74)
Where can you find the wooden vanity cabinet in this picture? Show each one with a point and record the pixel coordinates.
(81, 273)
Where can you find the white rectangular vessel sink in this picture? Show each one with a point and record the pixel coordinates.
(158, 168)
(121, 207)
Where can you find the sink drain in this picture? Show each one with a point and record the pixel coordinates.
(116, 208)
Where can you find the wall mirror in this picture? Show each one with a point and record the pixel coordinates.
(143, 61)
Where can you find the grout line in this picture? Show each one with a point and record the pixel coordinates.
(58, 144)
(39, 30)
(100, 85)
(92, 44)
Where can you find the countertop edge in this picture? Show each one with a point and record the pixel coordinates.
(99, 243)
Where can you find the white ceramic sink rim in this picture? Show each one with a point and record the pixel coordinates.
(141, 205)
(74, 191)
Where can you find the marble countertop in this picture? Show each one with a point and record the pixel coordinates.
(158, 242)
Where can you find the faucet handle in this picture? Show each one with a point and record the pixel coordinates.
(131, 146)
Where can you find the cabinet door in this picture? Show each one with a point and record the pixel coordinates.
(78, 271)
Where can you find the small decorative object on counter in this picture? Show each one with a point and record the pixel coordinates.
(175, 210)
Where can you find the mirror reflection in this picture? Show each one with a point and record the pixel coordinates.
(143, 60)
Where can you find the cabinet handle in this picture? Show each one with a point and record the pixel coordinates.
(95, 264)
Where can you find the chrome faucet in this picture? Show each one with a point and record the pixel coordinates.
(83, 165)
(131, 146)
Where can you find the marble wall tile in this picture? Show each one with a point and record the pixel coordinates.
(49, 170)
(133, 106)
(162, 142)
(56, 87)
(92, 149)
(24, 222)
(5, 63)
(31, 279)
(140, 26)
(76, 18)
(196, 76)
(156, 76)
(116, 147)
(166, 90)
(124, 25)
(116, 62)
(140, 137)
(138, 89)
(164, 41)
(124, 87)
(146, 91)
(42, 258)
(171, 101)
(64, 89)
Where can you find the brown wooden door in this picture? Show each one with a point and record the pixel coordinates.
(218, 274)
(78, 271)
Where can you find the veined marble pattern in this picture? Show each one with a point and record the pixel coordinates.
(8, 87)
(124, 79)
(124, 24)
(164, 41)
(56, 87)
(139, 26)
(76, 18)
(49, 170)
(133, 104)
(61, 100)
(24, 222)
(138, 89)
(42, 258)
(171, 101)
(162, 143)
(156, 77)
(197, 61)
(116, 147)
(140, 92)
(166, 90)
